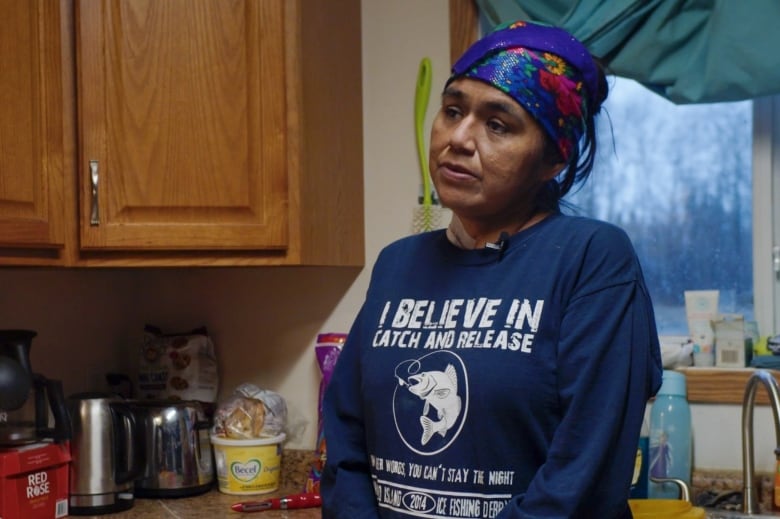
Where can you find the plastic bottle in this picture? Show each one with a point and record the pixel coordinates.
(639, 480)
(670, 437)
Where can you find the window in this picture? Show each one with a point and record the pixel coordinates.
(679, 180)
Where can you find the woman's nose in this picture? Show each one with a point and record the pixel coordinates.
(462, 135)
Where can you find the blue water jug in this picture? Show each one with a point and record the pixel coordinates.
(670, 437)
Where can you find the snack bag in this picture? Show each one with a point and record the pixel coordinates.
(327, 350)
(249, 413)
(178, 366)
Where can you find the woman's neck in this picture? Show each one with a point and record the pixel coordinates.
(473, 234)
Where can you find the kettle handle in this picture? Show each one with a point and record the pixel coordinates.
(126, 428)
(201, 425)
(51, 389)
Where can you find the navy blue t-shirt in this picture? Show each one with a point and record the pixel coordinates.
(494, 383)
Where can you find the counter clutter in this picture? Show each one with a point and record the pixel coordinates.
(212, 505)
(216, 505)
(161, 455)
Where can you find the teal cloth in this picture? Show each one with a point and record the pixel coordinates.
(689, 51)
(766, 361)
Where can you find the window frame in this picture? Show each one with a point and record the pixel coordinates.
(766, 196)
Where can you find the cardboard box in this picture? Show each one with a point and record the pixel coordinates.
(730, 347)
(34, 481)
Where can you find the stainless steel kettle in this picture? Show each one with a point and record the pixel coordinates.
(106, 456)
(179, 462)
(27, 398)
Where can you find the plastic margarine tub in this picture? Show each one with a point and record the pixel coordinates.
(664, 509)
(248, 466)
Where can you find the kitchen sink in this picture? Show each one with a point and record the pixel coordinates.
(726, 514)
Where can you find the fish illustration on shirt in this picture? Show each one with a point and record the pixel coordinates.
(439, 389)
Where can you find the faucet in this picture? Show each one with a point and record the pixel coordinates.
(749, 491)
(685, 490)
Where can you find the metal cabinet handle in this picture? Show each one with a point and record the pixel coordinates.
(94, 176)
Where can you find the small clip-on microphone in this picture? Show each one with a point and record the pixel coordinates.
(501, 244)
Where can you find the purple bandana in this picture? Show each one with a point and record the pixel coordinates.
(545, 69)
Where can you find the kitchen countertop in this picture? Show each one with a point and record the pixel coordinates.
(295, 470)
(216, 505)
(213, 504)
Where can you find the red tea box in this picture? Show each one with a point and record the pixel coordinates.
(34, 481)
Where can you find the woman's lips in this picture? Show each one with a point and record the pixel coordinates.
(456, 171)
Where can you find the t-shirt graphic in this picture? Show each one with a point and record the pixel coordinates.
(430, 401)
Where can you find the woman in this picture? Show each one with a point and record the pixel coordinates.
(499, 369)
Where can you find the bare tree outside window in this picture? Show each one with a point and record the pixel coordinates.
(678, 179)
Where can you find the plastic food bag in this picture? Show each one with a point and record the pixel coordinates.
(676, 351)
(178, 366)
(250, 412)
(327, 350)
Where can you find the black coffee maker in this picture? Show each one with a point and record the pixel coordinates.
(26, 397)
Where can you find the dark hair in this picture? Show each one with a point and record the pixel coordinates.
(580, 163)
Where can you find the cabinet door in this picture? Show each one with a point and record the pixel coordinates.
(182, 124)
(31, 126)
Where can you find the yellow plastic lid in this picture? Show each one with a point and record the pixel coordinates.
(664, 509)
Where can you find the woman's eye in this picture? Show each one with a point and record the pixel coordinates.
(451, 112)
(496, 126)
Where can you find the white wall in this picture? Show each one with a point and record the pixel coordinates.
(396, 36)
(265, 321)
(717, 436)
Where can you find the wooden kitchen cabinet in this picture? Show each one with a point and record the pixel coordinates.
(32, 141)
(208, 132)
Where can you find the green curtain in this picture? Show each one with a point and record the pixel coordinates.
(689, 51)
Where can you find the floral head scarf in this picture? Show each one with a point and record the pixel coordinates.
(545, 69)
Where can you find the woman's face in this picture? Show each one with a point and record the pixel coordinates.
(487, 155)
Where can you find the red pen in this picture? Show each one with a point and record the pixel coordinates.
(279, 503)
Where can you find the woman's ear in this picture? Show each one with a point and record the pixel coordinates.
(552, 169)
(553, 162)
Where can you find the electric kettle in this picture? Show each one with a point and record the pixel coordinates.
(26, 398)
(179, 461)
(106, 457)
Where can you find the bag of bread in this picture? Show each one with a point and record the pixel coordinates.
(250, 412)
(327, 352)
(180, 366)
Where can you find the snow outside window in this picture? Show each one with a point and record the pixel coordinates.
(679, 180)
